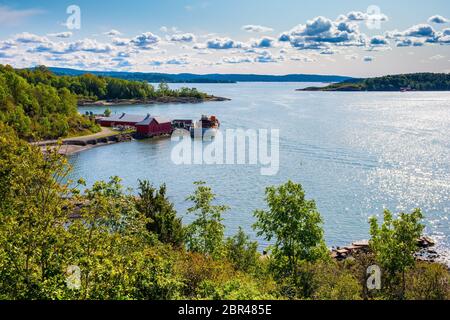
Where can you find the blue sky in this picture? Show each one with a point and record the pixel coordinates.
(357, 38)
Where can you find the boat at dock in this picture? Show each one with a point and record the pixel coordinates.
(205, 127)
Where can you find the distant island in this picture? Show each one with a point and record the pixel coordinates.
(401, 82)
(203, 78)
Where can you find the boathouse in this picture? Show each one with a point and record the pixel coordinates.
(154, 126)
(129, 120)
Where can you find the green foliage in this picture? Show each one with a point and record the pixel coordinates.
(161, 215)
(414, 81)
(428, 281)
(205, 234)
(294, 223)
(242, 252)
(395, 242)
(107, 112)
(38, 105)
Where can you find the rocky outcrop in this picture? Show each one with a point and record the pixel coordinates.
(424, 244)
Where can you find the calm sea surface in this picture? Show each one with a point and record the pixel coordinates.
(354, 153)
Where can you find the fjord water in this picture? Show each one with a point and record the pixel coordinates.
(354, 153)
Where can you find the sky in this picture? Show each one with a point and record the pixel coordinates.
(348, 37)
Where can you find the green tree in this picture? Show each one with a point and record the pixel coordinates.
(242, 252)
(206, 233)
(32, 220)
(107, 112)
(161, 215)
(394, 244)
(294, 224)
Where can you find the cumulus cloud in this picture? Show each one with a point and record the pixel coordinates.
(171, 61)
(256, 28)
(121, 42)
(437, 19)
(145, 40)
(357, 16)
(320, 32)
(408, 42)
(368, 59)
(27, 37)
(63, 35)
(223, 44)
(113, 33)
(89, 45)
(177, 61)
(361, 16)
(378, 41)
(237, 60)
(266, 57)
(419, 35)
(185, 37)
(266, 42)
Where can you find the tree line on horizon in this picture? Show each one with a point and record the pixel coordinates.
(408, 82)
(106, 243)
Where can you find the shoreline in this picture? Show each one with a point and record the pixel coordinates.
(73, 145)
(160, 100)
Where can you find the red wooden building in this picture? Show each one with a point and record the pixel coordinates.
(154, 126)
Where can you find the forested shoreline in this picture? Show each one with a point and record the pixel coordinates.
(39, 105)
(401, 82)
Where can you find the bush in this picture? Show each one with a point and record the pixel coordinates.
(428, 281)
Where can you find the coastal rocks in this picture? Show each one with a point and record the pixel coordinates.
(348, 251)
(424, 244)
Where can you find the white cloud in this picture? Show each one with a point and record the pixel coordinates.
(89, 45)
(368, 59)
(13, 17)
(27, 37)
(320, 33)
(256, 28)
(121, 42)
(185, 37)
(266, 42)
(113, 33)
(223, 44)
(145, 40)
(437, 19)
(377, 41)
(266, 57)
(237, 60)
(63, 35)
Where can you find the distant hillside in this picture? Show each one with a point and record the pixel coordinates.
(205, 78)
(401, 82)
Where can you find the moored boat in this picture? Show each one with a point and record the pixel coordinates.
(206, 126)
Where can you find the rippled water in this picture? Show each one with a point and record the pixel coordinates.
(354, 153)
